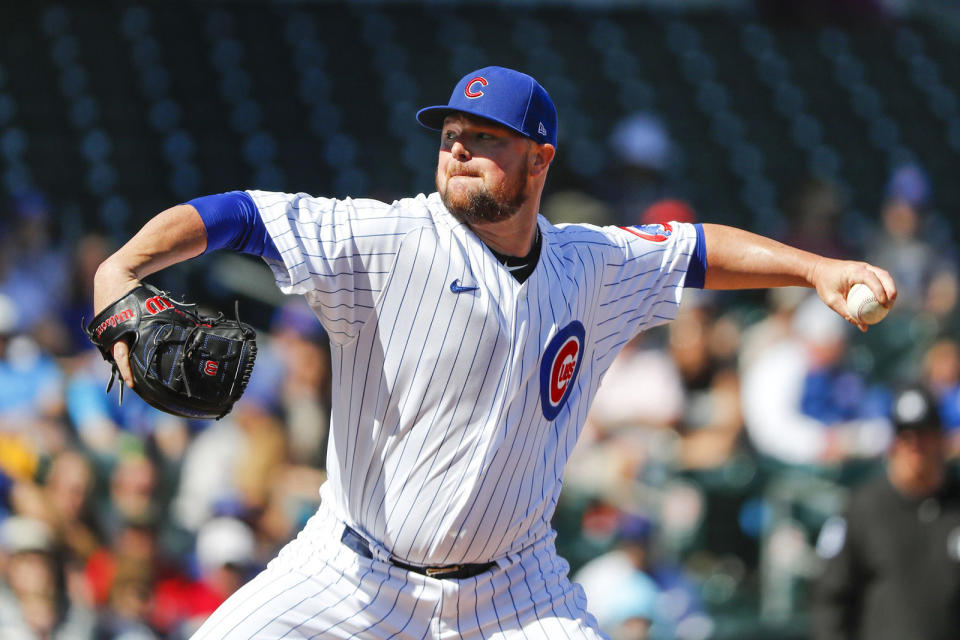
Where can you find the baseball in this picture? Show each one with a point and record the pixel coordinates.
(863, 305)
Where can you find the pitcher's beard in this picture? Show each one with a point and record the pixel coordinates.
(484, 206)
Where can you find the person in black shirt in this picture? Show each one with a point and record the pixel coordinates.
(892, 565)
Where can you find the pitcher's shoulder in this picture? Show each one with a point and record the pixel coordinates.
(568, 237)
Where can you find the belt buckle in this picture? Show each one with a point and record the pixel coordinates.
(435, 572)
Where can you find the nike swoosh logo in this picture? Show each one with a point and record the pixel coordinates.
(456, 287)
(516, 268)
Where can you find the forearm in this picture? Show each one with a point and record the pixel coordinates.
(172, 236)
(738, 259)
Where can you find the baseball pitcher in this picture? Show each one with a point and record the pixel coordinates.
(468, 338)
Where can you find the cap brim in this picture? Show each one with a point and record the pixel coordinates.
(433, 117)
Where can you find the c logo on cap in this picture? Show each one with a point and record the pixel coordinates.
(468, 90)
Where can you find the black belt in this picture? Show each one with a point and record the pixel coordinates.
(359, 544)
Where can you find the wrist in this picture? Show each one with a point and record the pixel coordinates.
(111, 281)
(814, 270)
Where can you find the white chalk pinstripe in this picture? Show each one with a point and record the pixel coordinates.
(439, 449)
(318, 588)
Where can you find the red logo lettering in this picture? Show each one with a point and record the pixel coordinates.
(114, 320)
(210, 368)
(564, 366)
(469, 91)
(156, 304)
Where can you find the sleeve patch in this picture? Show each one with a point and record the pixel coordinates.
(659, 232)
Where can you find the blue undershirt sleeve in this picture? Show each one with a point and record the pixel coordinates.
(697, 271)
(233, 222)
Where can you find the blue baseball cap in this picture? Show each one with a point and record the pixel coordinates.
(504, 96)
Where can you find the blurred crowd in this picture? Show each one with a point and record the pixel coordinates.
(716, 449)
(719, 445)
(116, 520)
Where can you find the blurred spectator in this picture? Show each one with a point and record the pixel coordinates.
(125, 617)
(240, 466)
(33, 271)
(628, 437)
(32, 603)
(575, 207)
(77, 305)
(640, 162)
(121, 578)
(669, 210)
(207, 475)
(704, 348)
(628, 587)
(303, 348)
(893, 560)
(631, 609)
(642, 141)
(801, 404)
(620, 402)
(910, 184)
(132, 494)
(812, 419)
(253, 464)
(605, 576)
(30, 381)
(941, 374)
(18, 465)
(231, 466)
(131, 545)
(226, 556)
(661, 409)
(899, 244)
(292, 380)
(260, 458)
(31, 398)
(62, 501)
(813, 208)
(942, 296)
(100, 419)
(774, 327)
(293, 498)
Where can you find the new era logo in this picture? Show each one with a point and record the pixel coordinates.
(542, 130)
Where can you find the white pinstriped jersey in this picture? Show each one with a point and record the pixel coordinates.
(458, 391)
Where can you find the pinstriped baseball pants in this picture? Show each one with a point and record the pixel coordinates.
(319, 588)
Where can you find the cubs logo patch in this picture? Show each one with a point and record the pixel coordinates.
(659, 232)
(559, 368)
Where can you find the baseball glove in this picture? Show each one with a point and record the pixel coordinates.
(183, 363)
